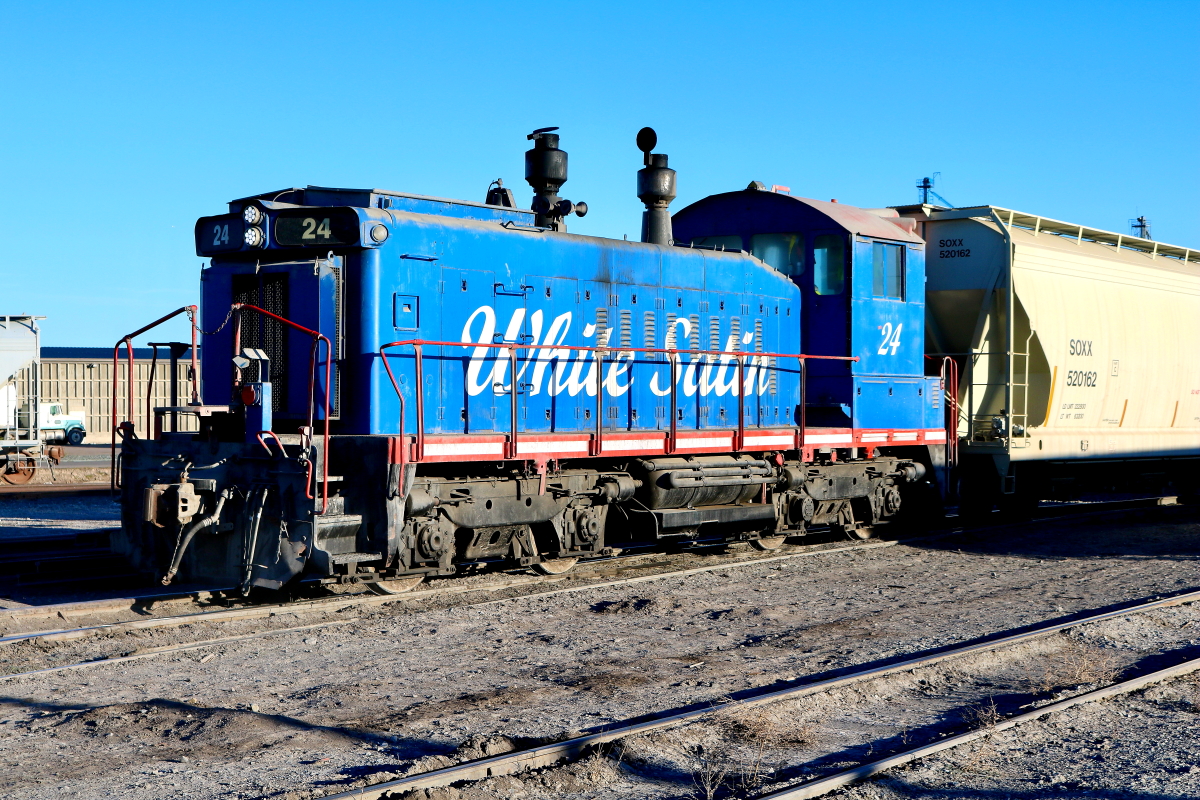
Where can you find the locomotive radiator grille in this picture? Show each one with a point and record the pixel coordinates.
(269, 291)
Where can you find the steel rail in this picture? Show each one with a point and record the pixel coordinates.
(93, 607)
(336, 604)
(830, 783)
(547, 755)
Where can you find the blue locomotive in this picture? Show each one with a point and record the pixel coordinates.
(398, 386)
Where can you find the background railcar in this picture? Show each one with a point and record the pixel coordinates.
(1090, 385)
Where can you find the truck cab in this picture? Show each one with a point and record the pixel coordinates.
(59, 426)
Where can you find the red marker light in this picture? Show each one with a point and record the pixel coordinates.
(249, 396)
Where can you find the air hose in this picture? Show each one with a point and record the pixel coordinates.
(186, 537)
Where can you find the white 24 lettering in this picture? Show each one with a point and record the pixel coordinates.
(312, 230)
(890, 339)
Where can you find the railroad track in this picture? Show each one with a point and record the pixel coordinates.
(82, 559)
(56, 489)
(831, 783)
(577, 747)
(57, 560)
(589, 575)
(341, 603)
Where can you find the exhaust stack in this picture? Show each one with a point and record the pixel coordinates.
(546, 171)
(655, 188)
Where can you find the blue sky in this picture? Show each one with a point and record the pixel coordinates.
(121, 123)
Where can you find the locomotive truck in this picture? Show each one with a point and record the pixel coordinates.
(414, 386)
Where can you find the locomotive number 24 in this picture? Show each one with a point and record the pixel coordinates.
(220, 235)
(312, 230)
(891, 339)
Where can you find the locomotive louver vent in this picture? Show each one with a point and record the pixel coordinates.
(601, 325)
(758, 342)
(648, 339)
(335, 400)
(695, 337)
(735, 332)
(670, 341)
(626, 329)
(714, 333)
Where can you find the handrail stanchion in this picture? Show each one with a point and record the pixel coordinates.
(599, 358)
(419, 374)
(512, 382)
(803, 401)
(673, 437)
(129, 381)
(195, 366)
(741, 392)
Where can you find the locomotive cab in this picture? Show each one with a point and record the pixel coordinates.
(861, 276)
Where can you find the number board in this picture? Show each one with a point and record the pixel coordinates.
(219, 234)
(323, 226)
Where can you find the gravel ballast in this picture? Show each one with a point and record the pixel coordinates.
(397, 689)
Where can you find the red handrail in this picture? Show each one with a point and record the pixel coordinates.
(948, 377)
(127, 340)
(312, 381)
(512, 347)
(950, 392)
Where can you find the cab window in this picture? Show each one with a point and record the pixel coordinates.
(829, 264)
(783, 251)
(733, 243)
(888, 263)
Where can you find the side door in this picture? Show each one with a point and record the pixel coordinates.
(476, 382)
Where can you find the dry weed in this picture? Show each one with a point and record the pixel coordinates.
(1076, 664)
(984, 715)
(730, 752)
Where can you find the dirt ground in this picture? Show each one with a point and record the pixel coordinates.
(392, 690)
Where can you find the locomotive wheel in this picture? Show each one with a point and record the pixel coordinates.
(397, 586)
(768, 543)
(555, 566)
(19, 475)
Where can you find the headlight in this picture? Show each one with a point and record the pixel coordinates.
(252, 214)
(254, 237)
(379, 233)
